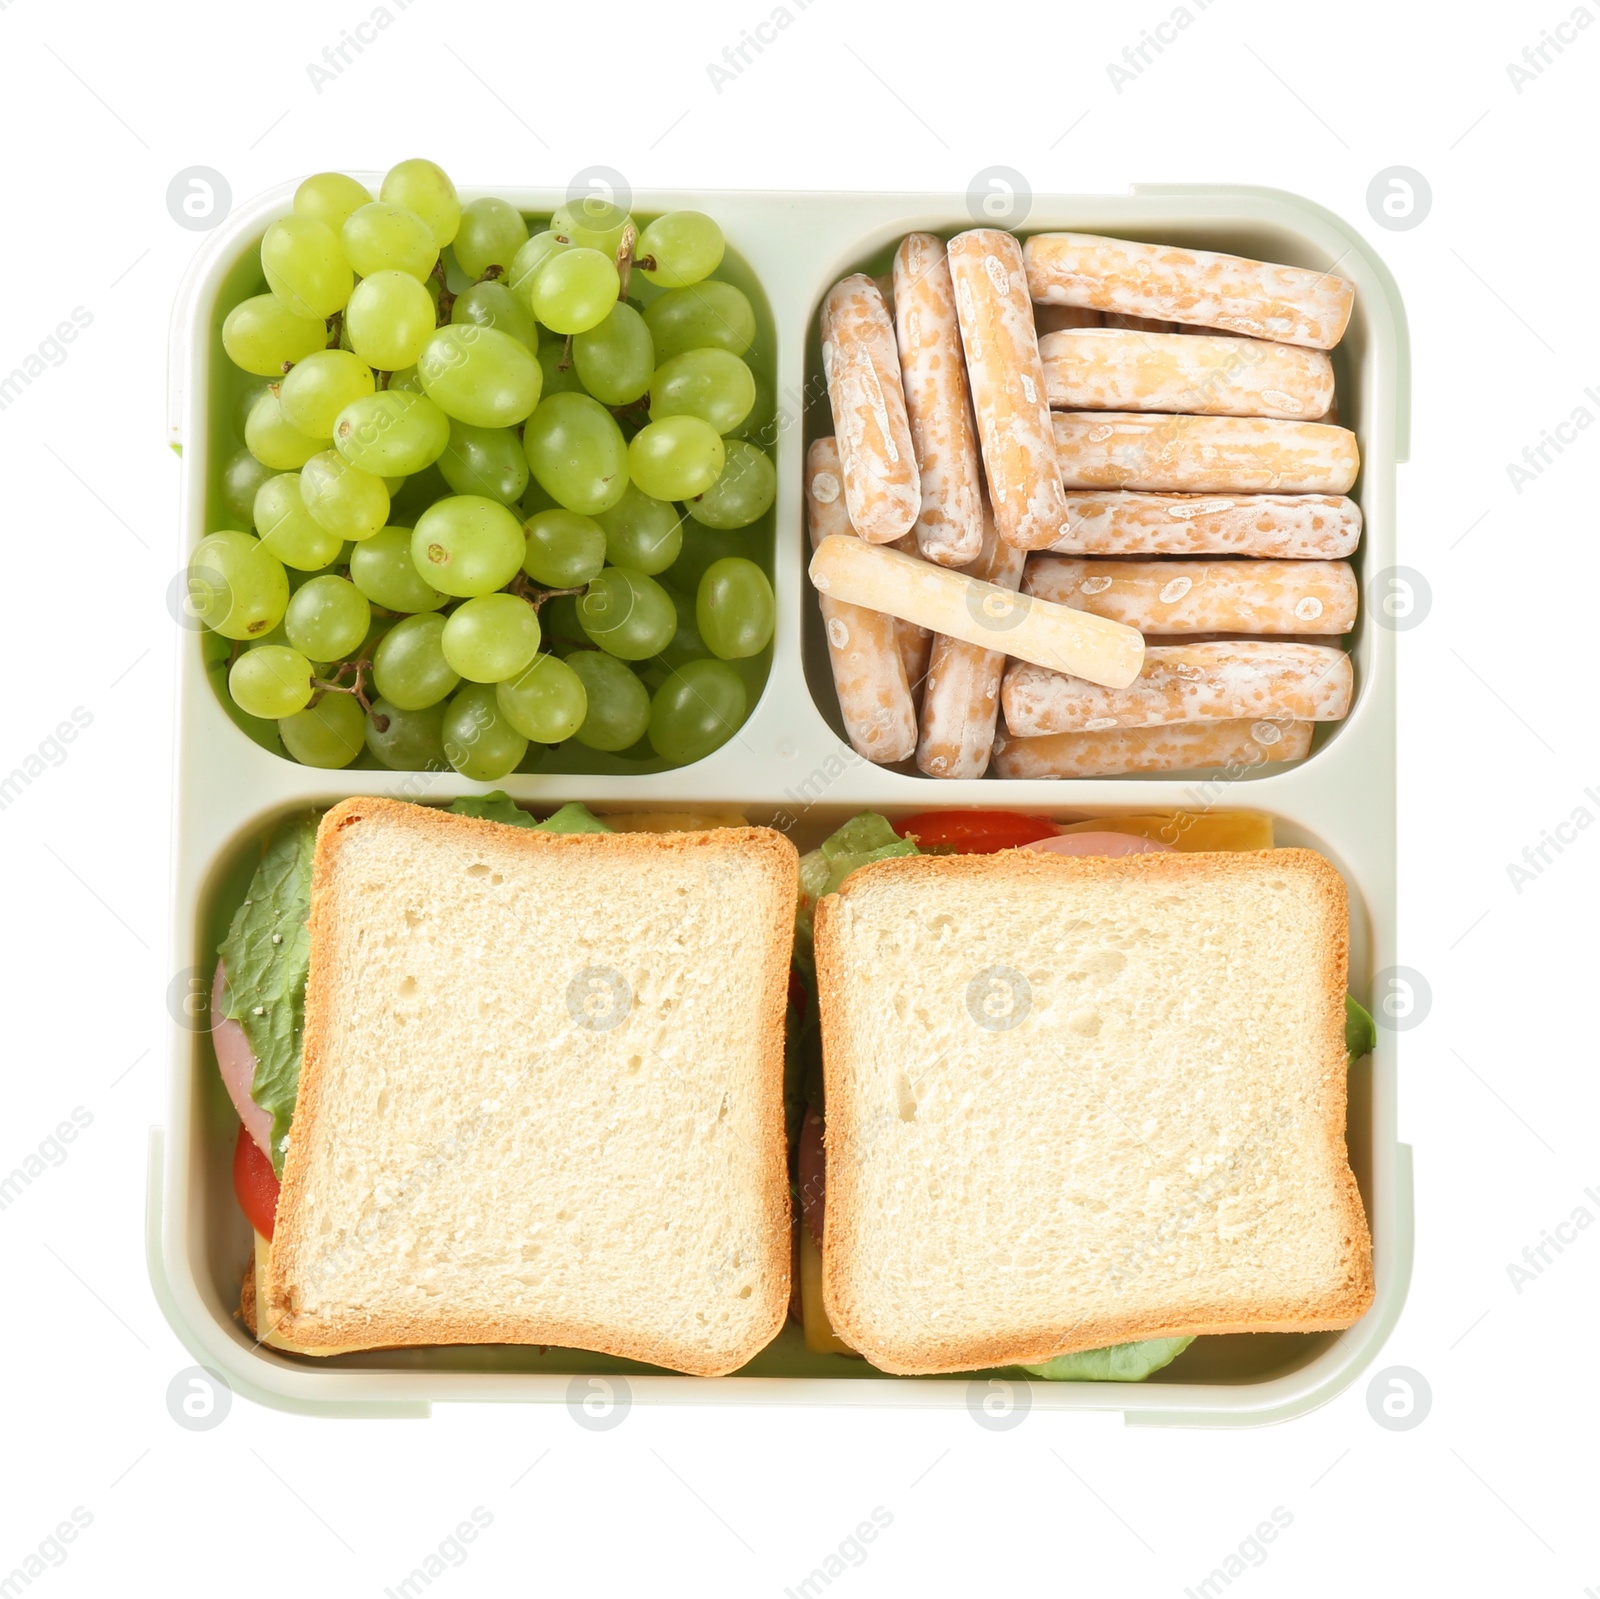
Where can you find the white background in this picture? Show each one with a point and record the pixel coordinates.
(1494, 1492)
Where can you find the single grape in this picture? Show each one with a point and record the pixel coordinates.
(320, 387)
(615, 358)
(467, 545)
(409, 668)
(480, 375)
(289, 532)
(680, 248)
(491, 233)
(642, 533)
(559, 368)
(306, 267)
(486, 461)
(546, 702)
(761, 427)
(273, 440)
(493, 305)
(327, 618)
(744, 491)
(705, 315)
(242, 475)
(382, 237)
(329, 197)
(390, 318)
(330, 733)
(422, 187)
(407, 741)
(529, 260)
(263, 335)
(235, 587)
(627, 614)
(382, 568)
(575, 290)
(685, 643)
(734, 608)
(342, 499)
(491, 638)
(478, 740)
(708, 383)
(419, 491)
(245, 403)
(564, 550)
(391, 435)
(701, 546)
(675, 458)
(576, 451)
(270, 681)
(405, 381)
(591, 223)
(618, 708)
(563, 631)
(697, 710)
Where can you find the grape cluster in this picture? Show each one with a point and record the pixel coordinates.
(493, 517)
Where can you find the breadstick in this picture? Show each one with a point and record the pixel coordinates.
(1290, 305)
(1203, 454)
(962, 699)
(1185, 683)
(868, 673)
(1007, 379)
(949, 527)
(1112, 369)
(1179, 747)
(1203, 596)
(1289, 526)
(869, 410)
(916, 647)
(980, 613)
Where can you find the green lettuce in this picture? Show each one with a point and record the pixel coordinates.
(1360, 1037)
(500, 807)
(862, 840)
(1118, 1363)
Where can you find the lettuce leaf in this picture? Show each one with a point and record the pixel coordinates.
(1117, 1363)
(500, 807)
(862, 840)
(1360, 1037)
(572, 818)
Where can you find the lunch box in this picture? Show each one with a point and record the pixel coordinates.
(789, 766)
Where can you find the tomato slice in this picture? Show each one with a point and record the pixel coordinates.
(255, 1185)
(974, 832)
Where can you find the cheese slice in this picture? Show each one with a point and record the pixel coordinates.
(263, 1260)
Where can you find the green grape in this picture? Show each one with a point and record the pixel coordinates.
(493, 305)
(535, 500)
(270, 681)
(235, 587)
(391, 435)
(701, 546)
(241, 477)
(564, 550)
(529, 260)
(734, 608)
(675, 458)
(330, 733)
(491, 233)
(744, 491)
(546, 702)
(559, 368)
(329, 197)
(575, 290)
(320, 387)
(486, 461)
(576, 451)
(591, 224)
(306, 267)
(273, 440)
(381, 237)
(263, 335)
(708, 383)
(407, 741)
(422, 187)
(419, 492)
(679, 248)
(618, 707)
(289, 533)
(382, 568)
(491, 637)
(615, 358)
(628, 614)
(327, 618)
(408, 666)
(478, 741)
(642, 533)
(697, 710)
(761, 426)
(467, 545)
(342, 499)
(390, 318)
(480, 375)
(405, 381)
(703, 316)
(246, 403)
(685, 643)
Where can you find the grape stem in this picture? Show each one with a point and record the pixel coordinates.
(335, 331)
(527, 589)
(357, 688)
(446, 299)
(491, 273)
(630, 237)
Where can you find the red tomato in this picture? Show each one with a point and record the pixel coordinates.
(254, 1184)
(798, 997)
(974, 832)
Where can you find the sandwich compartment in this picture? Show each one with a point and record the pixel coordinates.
(789, 766)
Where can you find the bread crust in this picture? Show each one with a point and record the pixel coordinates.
(292, 1253)
(853, 1319)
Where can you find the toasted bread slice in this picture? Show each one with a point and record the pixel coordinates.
(541, 1098)
(1075, 1101)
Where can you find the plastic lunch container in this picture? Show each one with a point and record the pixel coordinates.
(789, 766)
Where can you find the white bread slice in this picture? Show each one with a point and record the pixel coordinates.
(473, 1159)
(1155, 1148)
